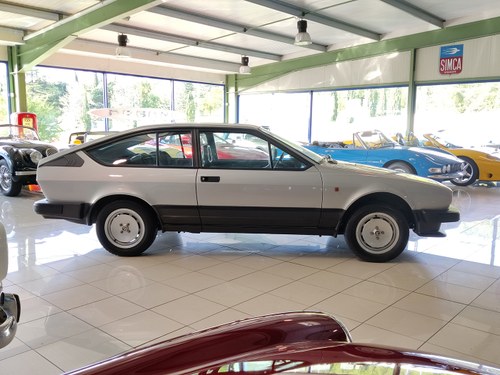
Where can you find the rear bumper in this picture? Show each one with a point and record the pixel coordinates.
(75, 212)
(428, 222)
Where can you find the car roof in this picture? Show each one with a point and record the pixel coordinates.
(155, 127)
(204, 125)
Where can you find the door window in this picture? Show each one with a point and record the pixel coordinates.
(240, 150)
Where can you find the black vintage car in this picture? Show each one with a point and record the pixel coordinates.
(20, 152)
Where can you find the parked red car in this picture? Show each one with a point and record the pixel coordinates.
(286, 343)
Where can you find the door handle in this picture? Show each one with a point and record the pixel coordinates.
(210, 179)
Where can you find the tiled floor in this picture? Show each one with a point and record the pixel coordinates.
(81, 304)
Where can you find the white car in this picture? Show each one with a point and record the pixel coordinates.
(198, 178)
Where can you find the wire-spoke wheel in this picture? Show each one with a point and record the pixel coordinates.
(8, 186)
(376, 233)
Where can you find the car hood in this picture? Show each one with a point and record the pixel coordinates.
(274, 344)
(23, 143)
(368, 170)
(434, 153)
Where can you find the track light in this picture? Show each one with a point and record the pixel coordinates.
(302, 38)
(122, 51)
(244, 68)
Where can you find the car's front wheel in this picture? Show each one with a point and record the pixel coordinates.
(401, 166)
(471, 173)
(376, 233)
(8, 186)
(126, 228)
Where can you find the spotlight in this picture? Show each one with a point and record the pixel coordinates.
(302, 38)
(122, 51)
(244, 68)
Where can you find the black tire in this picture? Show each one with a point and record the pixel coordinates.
(376, 233)
(8, 187)
(471, 173)
(126, 228)
(401, 166)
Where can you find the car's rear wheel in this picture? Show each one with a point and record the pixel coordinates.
(126, 228)
(8, 187)
(401, 167)
(376, 233)
(471, 173)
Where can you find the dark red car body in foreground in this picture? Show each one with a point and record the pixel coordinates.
(286, 343)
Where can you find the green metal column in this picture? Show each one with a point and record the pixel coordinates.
(412, 93)
(17, 83)
(231, 99)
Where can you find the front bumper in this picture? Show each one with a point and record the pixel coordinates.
(428, 222)
(446, 176)
(75, 212)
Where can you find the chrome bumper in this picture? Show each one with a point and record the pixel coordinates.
(447, 176)
(10, 312)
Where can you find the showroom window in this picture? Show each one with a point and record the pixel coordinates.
(286, 114)
(336, 115)
(135, 101)
(330, 115)
(67, 101)
(464, 114)
(63, 101)
(4, 94)
(198, 102)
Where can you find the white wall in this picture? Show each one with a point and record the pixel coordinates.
(390, 68)
(480, 60)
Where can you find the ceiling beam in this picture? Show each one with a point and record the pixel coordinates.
(41, 44)
(314, 17)
(190, 42)
(11, 37)
(416, 12)
(214, 22)
(101, 49)
(30, 12)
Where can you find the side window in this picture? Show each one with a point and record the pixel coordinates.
(282, 160)
(233, 150)
(241, 150)
(170, 149)
(175, 149)
(137, 150)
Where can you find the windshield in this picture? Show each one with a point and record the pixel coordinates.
(375, 139)
(302, 150)
(444, 142)
(18, 132)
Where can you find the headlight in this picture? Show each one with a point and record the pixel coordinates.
(36, 156)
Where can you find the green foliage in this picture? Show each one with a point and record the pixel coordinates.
(147, 99)
(93, 97)
(335, 109)
(47, 100)
(187, 103)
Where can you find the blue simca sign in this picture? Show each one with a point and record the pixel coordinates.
(451, 59)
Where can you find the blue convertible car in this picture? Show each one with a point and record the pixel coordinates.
(376, 149)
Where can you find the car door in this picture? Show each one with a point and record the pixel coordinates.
(247, 184)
